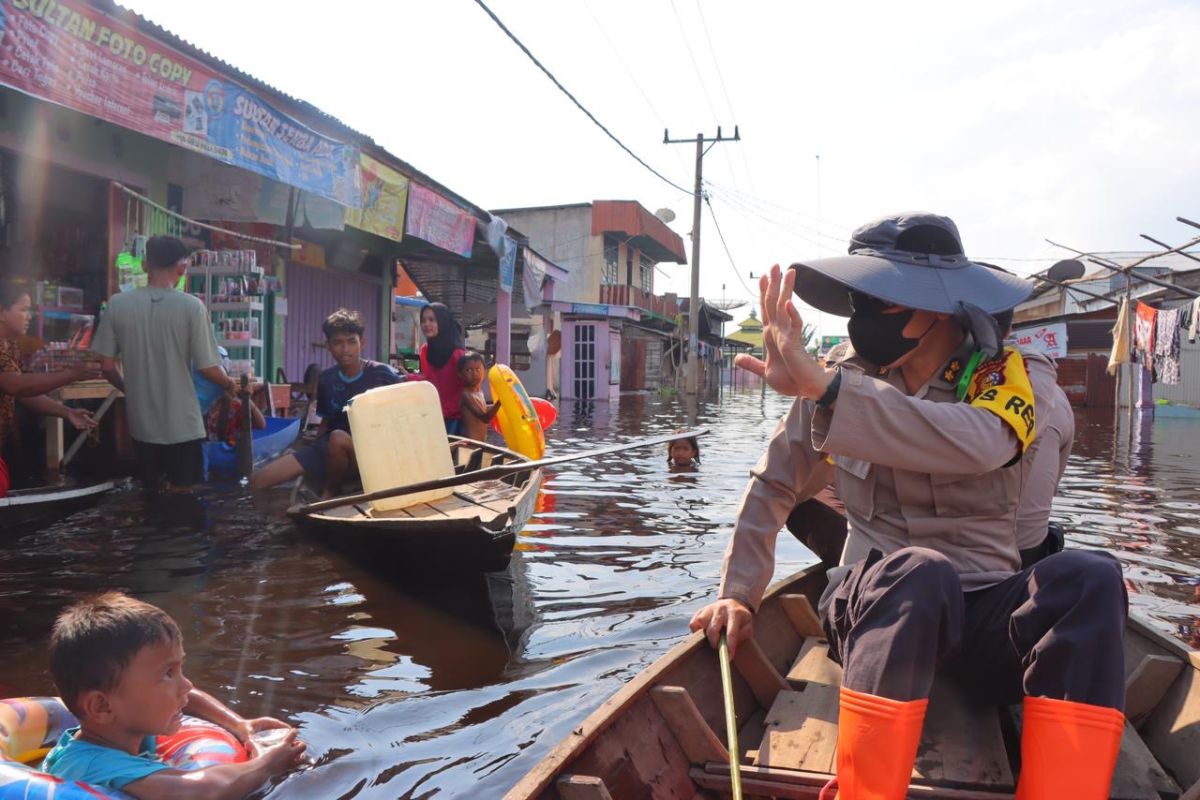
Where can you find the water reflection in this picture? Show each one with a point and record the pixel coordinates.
(410, 685)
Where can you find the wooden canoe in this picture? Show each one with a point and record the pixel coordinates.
(25, 507)
(663, 734)
(474, 528)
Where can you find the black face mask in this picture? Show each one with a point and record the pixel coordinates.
(879, 337)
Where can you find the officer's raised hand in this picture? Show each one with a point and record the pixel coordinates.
(783, 336)
(772, 370)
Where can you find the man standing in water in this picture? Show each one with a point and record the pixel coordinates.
(924, 426)
(158, 332)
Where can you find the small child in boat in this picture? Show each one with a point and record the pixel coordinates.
(223, 419)
(118, 665)
(683, 452)
(476, 413)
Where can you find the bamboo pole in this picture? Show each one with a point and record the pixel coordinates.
(731, 734)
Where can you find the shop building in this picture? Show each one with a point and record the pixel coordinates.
(617, 334)
(146, 134)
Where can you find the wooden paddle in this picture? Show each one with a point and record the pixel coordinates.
(487, 473)
(99, 415)
(245, 440)
(731, 733)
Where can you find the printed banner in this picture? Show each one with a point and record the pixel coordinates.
(384, 198)
(508, 265)
(436, 220)
(1051, 340)
(72, 54)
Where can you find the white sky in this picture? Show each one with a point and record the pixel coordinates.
(1021, 120)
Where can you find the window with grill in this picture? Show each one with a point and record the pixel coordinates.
(612, 262)
(646, 276)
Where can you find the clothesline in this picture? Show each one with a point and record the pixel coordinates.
(180, 217)
(1128, 269)
(1156, 337)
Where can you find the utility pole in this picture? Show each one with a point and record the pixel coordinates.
(693, 376)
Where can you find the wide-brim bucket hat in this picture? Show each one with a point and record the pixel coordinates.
(913, 259)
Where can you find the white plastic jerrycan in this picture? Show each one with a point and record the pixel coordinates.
(400, 438)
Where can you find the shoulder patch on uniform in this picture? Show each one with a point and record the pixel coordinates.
(1001, 385)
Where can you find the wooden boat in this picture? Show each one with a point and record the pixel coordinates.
(663, 735)
(25, 507)
(268, 443)
(474, 528)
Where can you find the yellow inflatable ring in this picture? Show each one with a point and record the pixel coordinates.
(518, 418)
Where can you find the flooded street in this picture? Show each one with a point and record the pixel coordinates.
(417, 687)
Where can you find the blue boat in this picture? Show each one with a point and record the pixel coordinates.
(221, 459)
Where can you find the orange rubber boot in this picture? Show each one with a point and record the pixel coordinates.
(1068, 749)
(877, 744)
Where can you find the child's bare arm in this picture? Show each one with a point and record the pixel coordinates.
(469, 405)
(223, 781)
(257, 420)
(205, 706)
(491, 411)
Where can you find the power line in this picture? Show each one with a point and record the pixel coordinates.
(768, 204)
(573, 99)
(700, 79)
(633, 78)
(783, 225)
(721, 236)
(724, 89)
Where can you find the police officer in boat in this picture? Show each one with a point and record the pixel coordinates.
(925, 426)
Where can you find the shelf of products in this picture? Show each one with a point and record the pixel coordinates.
(232, 286)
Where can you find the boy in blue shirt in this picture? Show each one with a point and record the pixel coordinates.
(118, 666)
(330, 459)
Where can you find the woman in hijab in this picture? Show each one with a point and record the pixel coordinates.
(439, 360)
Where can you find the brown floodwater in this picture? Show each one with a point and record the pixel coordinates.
(410, 685)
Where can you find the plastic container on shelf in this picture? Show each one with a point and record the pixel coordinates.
(400, 438)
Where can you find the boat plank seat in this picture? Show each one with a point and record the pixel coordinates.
(1138, 775)
(801, 730)
(494, 505)
(582, 787)
(1148, 683)
(684, 719)
(961, 744)
(813, 664)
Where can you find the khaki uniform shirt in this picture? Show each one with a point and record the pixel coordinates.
(1048, 453)
(921, 470)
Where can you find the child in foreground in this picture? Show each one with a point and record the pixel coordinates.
(118, 666)
(476, 413)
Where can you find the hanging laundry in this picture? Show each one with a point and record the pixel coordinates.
(1120, 334)
(1144, 321)
(1192, 328)
(1166, 346)
(1143, 331)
